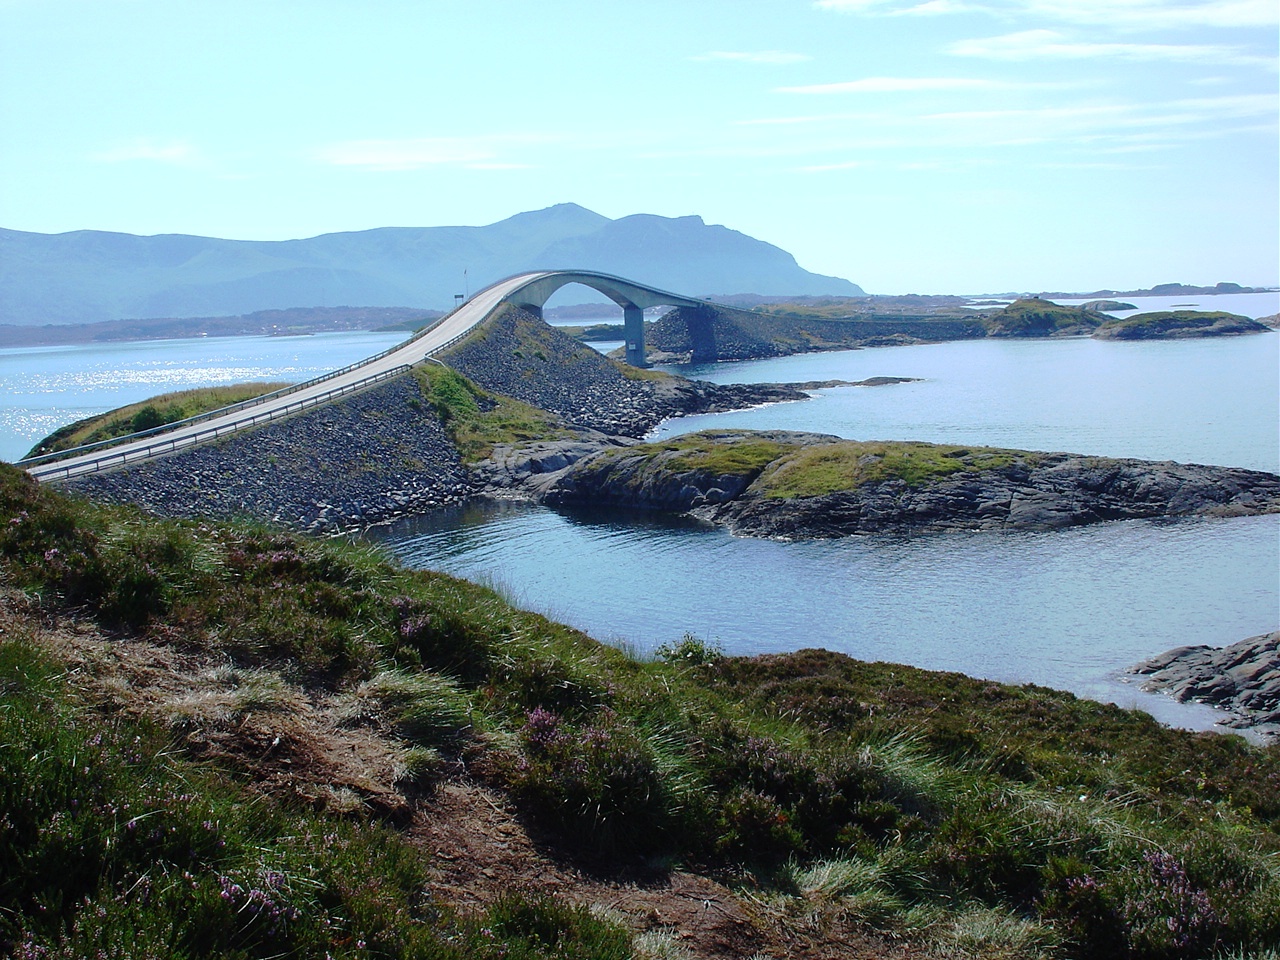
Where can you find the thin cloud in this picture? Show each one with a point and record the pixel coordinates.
(829, 167)
(896, 85)
(1156, 14)
(768, 57)
(896, 8)
(1120, 14)
(1049, 44)
(178, 153)
(421, 152)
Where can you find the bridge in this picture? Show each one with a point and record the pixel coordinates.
(529, 291)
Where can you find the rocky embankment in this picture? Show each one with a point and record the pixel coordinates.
(361, 460)
(1242, 679)
(519, 355)
(809, 486)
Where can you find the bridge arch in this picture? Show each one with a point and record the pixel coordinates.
(632, 297)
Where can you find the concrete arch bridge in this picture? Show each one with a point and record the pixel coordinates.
(529, 291)
(634, 298)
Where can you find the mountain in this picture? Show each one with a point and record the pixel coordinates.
(88, 275)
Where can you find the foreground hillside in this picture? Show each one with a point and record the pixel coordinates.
(227, 740)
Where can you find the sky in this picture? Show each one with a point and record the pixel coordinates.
(911, 146)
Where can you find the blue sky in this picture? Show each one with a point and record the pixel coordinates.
(932, 146)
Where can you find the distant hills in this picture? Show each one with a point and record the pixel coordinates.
(90, 276)
(1163, 290)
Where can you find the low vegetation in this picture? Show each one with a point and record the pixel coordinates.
(825, 308)
(970, 818)
(156, 412)
(786, 469)
(477, 420)
(1166, 323)
(813, 471)
(1034, 317)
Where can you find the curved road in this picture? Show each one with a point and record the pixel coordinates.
(454, 326)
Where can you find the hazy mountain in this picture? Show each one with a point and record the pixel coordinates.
(89, 275)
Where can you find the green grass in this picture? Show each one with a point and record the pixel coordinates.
(1033, 317)
(787, 470)
(828, 468)
(478, 420)
(116, 846)
(159, 410)
(963, 815)
(1148, 324)
(707, 452)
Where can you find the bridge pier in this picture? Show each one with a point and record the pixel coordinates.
(633, 331)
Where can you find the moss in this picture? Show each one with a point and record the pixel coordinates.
(643, 373)
(789, 470)
(709, 452)
(829, 468)
(155, 412)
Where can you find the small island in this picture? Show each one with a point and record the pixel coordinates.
(806, 486)
(1178, 325)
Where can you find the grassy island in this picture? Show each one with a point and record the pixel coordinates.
(146, 414)
(225, 740)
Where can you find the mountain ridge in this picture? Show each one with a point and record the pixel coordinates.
(87, 276)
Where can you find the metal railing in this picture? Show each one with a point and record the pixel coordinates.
(172, 444)
(230, 408)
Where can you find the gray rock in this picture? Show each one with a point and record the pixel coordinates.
(1242, 679)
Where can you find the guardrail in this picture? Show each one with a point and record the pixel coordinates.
(230, 408)
(173, 444)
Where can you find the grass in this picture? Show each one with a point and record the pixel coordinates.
(159, 410)
(1033, 317)
(971, 818)
(787, 470)
(1150, 324)
(828, 468)
(477, 420)
(707, 452)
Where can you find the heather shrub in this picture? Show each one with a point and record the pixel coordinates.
(597, 783)
(444, 636)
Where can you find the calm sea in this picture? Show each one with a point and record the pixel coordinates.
(1067, 609)
(43, 388)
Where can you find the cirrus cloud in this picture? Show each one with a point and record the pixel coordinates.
(896, 85)
(415, 153)
(1122, 14)
(769, 57)
(177, 152)
(1050, 44)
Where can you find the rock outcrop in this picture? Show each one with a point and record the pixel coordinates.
(811, 486)
(519, 355)
(714, 333)
(1178, 325)
(1242, 679)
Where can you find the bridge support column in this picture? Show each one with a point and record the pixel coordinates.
(633, 331)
